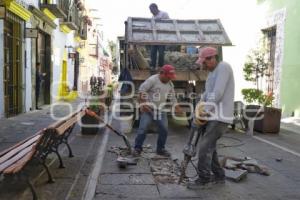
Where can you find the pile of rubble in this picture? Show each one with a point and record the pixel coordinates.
(165, 170)
(180, 60)
(237, 169)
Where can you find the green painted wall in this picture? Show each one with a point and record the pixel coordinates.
(290, 77)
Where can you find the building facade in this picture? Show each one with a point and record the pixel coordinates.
(49, 33)
(281, 30)
(95, 60)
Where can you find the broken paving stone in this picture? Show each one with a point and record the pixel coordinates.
(231, 164)
(236, 175)
(250, 162)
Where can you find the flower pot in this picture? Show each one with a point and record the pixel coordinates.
(268, 119)
(270, 123)
(89, 125)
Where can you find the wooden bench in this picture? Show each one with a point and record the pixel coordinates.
(62, 130)
(37, 147)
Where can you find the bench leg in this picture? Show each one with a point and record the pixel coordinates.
(31, 186)
(32, 189)
(61, 164)
(50, 178)
(70, 150)
(65, 140)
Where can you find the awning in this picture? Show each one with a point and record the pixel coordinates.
(18, 10)
(42, 16)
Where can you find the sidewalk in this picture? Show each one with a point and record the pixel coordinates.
(17, 128)
(139, 182)
(70, 181)
(291, 124)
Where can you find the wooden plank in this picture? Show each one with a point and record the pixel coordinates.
(177, 30)
(17, 157)
(141, 75)
(201, 36)
(19, 148)
(16, 167)
(61, 129)
(56, 124)
(61, 122)
(129, 30)
(70, 122)
(154, 29)
(20, 143)
(174, 32)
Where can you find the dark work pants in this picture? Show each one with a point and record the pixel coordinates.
(208, 158)
(37, 94)
(161, 54)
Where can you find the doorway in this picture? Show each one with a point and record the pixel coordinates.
(43, 56)
(12, 65)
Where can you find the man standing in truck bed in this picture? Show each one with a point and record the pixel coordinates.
(153, 95)
(157, 14)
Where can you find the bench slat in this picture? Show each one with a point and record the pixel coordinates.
(70, 122)
(18, 149)
(16, 167)
(61, 129)
(20, 143)
(17, 157)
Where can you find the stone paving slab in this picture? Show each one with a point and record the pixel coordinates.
(110, 166)
(122, 191)
(127, 179)
(277, 186)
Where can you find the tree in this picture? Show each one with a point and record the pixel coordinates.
(255, 69)
(113, 51)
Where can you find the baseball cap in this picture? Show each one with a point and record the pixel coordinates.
(206, 52)
(169, 71)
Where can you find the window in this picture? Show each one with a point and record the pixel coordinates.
(270, 42)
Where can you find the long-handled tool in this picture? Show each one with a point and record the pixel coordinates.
(93, 114)
(189, 150)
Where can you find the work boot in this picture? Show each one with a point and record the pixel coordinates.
(136, 152)
(218, 179)
(163, 152)
(198, 183)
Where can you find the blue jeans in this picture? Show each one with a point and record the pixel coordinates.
(161, 55)
(145, 121)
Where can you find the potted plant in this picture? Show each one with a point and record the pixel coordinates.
(267, 118)
(89, 123)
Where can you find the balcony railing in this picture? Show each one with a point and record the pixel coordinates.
(72, 12)
(93, 50)
(56, 7)
(83, 32)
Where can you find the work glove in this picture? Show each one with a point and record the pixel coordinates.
(200, 117)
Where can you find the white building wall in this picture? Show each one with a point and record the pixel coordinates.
(27, 72)
(1, 69)
(60, 41)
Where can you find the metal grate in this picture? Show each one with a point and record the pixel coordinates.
(173, 31)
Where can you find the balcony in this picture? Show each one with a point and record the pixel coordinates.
(70, 22)
(55, 7)
(83, 32)
(93, 50)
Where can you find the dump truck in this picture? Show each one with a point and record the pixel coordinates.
(141, 33)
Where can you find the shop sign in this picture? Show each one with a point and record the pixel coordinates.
(31, 33)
